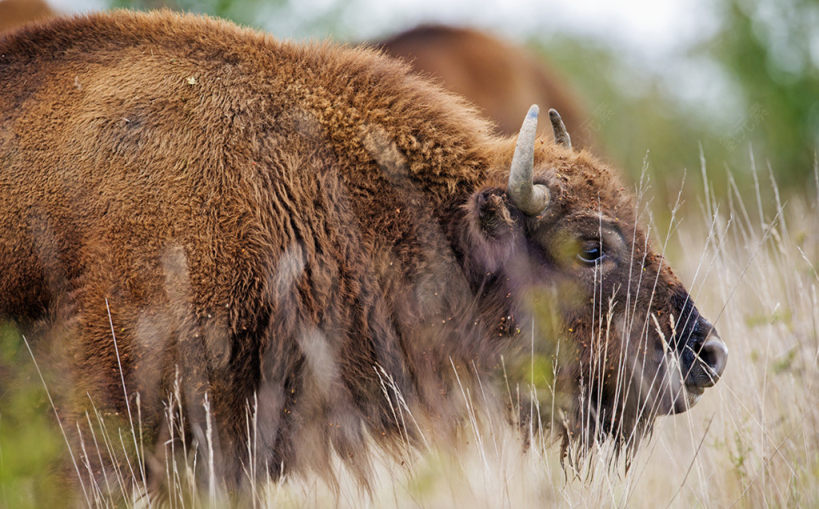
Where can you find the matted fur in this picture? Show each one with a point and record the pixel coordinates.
(308, 232)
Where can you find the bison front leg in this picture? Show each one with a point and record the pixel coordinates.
(151, 399)
(141, 372)
(111, 413)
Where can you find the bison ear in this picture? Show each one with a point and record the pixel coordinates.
(493, 228)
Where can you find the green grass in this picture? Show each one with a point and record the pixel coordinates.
(31, 447)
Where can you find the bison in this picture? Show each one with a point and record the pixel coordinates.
(316, 240)
(501, 79)
(14, 13)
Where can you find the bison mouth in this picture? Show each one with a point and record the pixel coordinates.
(688, 396)
(693, 393)
(665, 383)
(702, 363)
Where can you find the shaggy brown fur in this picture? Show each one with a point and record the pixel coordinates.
(14, 13)
(311, 231)
(502, 79)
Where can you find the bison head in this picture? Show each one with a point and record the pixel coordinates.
(557, 253)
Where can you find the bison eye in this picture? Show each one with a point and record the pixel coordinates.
(591, 253)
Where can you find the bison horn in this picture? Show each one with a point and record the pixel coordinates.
(561, 134)
(529, 198)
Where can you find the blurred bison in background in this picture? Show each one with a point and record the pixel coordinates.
(500, 78)
(299, 244)
(14, 13)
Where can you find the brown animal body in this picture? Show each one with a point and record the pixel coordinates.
(313, 234)
(500, 78)
(14, 13)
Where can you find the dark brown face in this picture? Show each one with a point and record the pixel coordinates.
(583, 278)
(623, 337)
(643, 347)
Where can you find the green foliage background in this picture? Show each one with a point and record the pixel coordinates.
(32, 451)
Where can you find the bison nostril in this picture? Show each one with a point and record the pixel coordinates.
(714, 355)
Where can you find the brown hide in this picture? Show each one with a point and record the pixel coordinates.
(313, 234)
(501, 78)
(14, 13)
